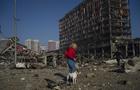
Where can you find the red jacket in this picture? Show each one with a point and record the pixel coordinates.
(70, 53)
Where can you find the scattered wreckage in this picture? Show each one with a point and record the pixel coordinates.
(26, 58)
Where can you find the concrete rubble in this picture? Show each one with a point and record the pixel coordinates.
(95, 75)
(89, 75)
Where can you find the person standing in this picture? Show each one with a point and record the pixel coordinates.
(118, 56)
(70, 54)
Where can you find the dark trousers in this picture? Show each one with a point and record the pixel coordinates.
(118, 61)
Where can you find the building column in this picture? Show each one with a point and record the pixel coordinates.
(126, 50)
(94, 52)
(103, 52)
(88, 50)
(111, 53)
(133, 47)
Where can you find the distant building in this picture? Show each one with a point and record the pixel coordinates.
(43, 47)
(3, 41)
(29, 43)
(33, 45)
(53, 45)
(1, 35)
(36, 45)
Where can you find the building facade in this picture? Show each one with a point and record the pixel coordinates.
(53, 45)
(33, 45)
(94, 25)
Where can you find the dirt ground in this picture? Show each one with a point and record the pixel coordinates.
(90, 77)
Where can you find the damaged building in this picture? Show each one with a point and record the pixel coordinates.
(7, 53)
(97, 26)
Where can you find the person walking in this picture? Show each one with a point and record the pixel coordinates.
(70, 54)
(118, 56)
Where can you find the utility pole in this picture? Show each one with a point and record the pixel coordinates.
(15, 31)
